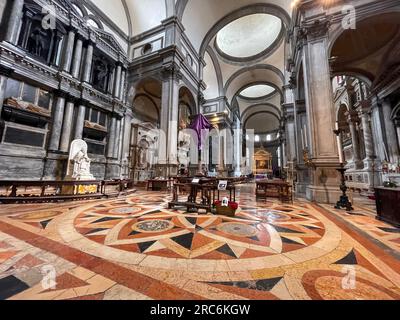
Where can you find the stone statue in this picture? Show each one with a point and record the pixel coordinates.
(79, 162)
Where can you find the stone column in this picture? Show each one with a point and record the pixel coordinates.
(237, 148)
(352, 121)
(390, 131)
(117, 82)
(67, 126)
(368, 139)
(126, 143)
(87, 69)
(117, 139)
(377, 130)
(68, 51)
(110, 88)
(397, 124)
(14, 21)
(290, 136)
(80, 121)
(57, 124)
(122, 90)
(3, 83)
(76, 63)
(111, 138)
(169, 117)
(325, 180)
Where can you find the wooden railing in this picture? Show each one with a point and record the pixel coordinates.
(54, 191)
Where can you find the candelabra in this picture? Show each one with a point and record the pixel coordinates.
(344, 201)
(307, 160)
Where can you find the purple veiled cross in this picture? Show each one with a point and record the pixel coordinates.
(200, 124)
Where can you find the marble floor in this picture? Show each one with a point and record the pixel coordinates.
(136, 248)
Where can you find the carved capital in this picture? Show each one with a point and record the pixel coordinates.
(171, 72)
(315, 29)
(293, 81)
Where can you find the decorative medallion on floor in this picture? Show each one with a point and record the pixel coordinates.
(135, 248)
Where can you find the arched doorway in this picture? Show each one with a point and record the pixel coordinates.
(144, 143)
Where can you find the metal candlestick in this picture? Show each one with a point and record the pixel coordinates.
(344, 199)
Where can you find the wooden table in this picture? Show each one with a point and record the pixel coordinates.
(206, 198)
(388, 205)
(273, 188)
(159, 185)
(201, 195)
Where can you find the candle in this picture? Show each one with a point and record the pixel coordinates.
(305, 136)
(340, 148)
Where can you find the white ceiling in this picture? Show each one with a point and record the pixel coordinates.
(249, 35)
(245, 35)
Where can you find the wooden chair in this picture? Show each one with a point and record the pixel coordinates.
(286, 193)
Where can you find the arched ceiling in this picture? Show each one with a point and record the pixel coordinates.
(134, 17)
(262, 122)
(366, 50)
(242, 43)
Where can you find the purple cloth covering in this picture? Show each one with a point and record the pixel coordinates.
(200, 124)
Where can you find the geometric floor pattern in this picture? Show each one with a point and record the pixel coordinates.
(137, 248)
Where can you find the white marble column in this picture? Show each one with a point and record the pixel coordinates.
(14, 21)
(117, 139)
(323, 148)
(377, 130)
(3, 83)
(68, 51)
(391, 135)
(122, 90)
(76, 63)
(368, 138)
(238, 148)
(80, 122)
(111, 138)
(355, 141)
(67, 126)
(117, 81)
(87, 69)
(57, 124)
(290, 137)
(126, 143)
(169, 113)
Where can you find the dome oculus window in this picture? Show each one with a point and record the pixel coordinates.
(249, 36)
(257, 91)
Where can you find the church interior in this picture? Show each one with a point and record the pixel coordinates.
(199, 150)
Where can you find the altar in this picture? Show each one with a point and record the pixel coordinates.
(262, 164)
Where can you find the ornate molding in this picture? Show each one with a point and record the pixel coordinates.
(171, 72)
(314, 29)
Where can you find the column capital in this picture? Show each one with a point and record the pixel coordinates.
(293, 80)
(352, 117)
(365, 107)
(315, 29)
(171, 72)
